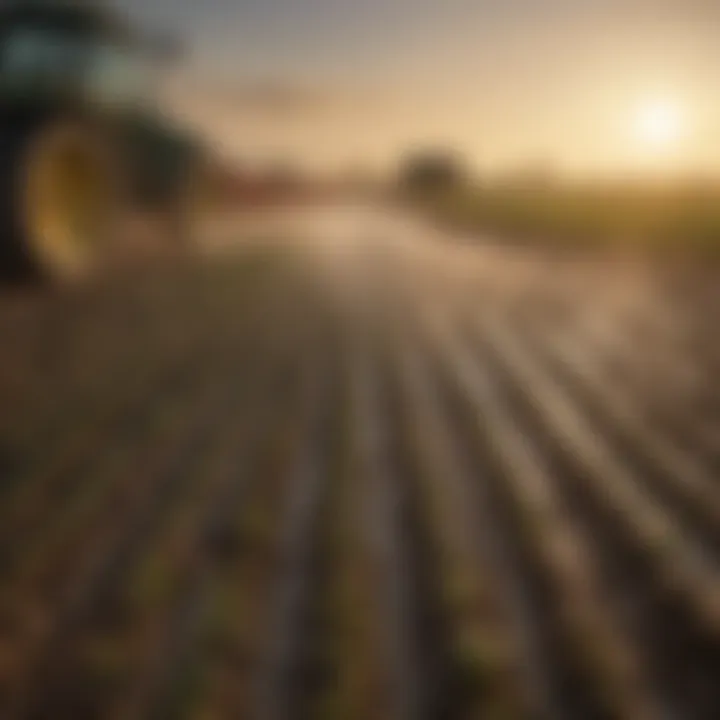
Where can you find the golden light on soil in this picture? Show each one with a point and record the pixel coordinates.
(659, 125)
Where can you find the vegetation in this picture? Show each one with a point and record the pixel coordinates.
(676, 217)
(433, 171)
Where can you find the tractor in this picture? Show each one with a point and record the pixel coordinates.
(83, 142)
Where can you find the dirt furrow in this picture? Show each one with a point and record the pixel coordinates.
(618, 685)
(473, 645)
(663, 588)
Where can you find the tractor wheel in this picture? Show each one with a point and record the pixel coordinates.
(58, 209)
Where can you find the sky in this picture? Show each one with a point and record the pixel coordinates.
(343, 84)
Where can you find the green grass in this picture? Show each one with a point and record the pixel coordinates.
(622, 216)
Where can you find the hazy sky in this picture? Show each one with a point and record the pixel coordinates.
(341, 82)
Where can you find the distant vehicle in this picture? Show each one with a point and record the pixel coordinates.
(82, 140)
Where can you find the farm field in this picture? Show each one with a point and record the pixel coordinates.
(375, 478)
(661, 219)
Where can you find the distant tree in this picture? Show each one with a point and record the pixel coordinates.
(432, 171)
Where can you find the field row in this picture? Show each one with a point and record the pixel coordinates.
(233, 495)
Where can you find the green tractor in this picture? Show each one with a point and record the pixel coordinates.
(82, 143)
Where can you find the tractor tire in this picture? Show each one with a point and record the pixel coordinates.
(59, 199)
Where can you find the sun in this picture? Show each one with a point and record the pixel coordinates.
(659, 124)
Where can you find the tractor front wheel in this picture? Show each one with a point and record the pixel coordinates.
(59, 200)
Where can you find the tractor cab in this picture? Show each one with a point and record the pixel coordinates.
(72, 53)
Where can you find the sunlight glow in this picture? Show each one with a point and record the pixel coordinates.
(659, 124)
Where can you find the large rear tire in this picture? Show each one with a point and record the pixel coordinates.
(58, 200)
